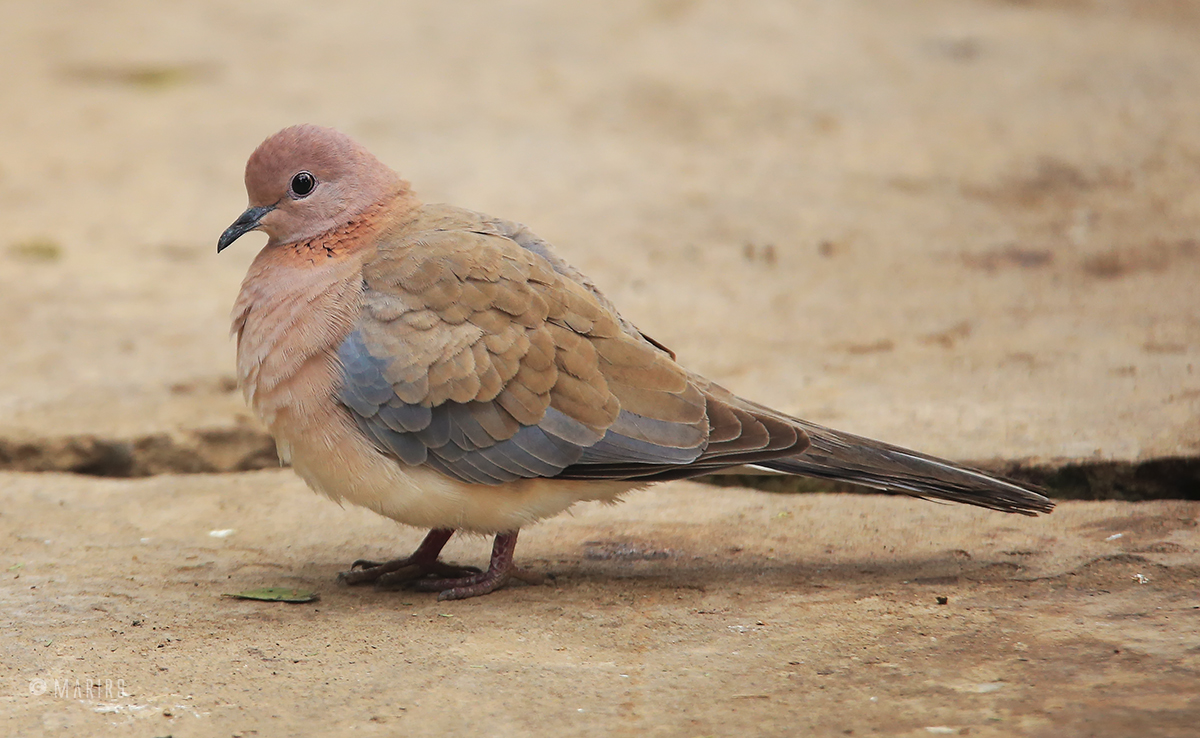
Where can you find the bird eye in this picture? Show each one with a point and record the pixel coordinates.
(303, 184)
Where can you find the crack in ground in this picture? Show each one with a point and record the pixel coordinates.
(243, 448)
(1165, 478)
(211, 450)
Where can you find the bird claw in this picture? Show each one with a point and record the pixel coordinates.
(480, 583)
(423, 571)
(411, 577)
(460, 588)
(400, 573)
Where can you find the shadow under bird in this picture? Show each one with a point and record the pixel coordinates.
(450, 371)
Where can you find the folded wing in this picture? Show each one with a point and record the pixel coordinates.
(475, 356)
(483, 355)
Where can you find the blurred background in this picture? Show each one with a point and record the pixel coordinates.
(970, 227)
(966, 226)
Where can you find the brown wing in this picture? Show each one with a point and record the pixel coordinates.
(475, 356)
(483, 354)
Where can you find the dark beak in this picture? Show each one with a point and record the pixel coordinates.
(245, 223)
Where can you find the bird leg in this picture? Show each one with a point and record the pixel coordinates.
(500, 570)
(423, 562)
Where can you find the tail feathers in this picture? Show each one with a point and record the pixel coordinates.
(845, 457)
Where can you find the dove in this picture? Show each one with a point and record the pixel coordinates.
(450, 371)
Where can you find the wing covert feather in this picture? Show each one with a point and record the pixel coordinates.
(490, 360)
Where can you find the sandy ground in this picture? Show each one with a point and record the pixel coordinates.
(681, 612)
(967, 226)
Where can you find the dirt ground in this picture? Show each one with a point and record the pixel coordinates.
(966, 226)
(685, 611)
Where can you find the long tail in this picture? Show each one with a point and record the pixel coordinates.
(850, 458)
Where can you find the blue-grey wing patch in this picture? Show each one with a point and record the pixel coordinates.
(488, 360)
(473, 442)
(480, 442)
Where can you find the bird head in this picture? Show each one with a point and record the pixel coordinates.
(307, 180)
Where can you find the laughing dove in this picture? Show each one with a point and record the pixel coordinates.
(448, 370)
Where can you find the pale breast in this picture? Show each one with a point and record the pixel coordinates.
(289, 318)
